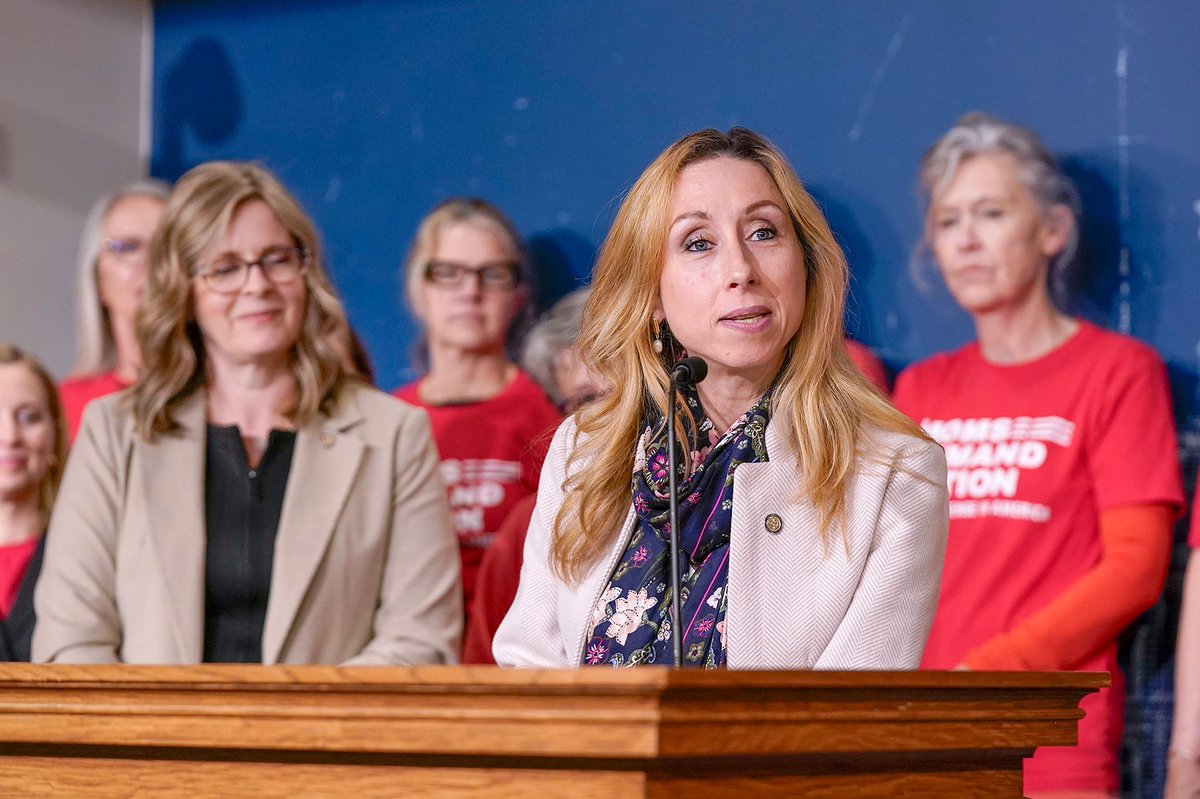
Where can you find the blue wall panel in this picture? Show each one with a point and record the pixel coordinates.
(374, 111)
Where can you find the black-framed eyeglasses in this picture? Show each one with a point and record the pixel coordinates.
(125, 249)
(228, 273)
(495, 276)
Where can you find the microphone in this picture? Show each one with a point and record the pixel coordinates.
(687, 372)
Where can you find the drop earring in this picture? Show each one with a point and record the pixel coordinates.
(656, 336)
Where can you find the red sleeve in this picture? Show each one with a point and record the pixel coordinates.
(496, 586)
(868, 364)
(1131, 452)
(1136, 550)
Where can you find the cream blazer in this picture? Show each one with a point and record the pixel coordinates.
(863, 603)
(366, 568)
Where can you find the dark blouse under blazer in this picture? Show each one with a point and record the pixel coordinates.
(16, 631)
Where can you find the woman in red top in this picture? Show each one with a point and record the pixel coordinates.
(868, 363)
(32, 451)
(467, 281)
(1062, 473)
(112, 269)
(551, 359)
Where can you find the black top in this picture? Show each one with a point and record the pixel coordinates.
(241, 514)
(16, 630)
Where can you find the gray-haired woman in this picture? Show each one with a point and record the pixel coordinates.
(1062, 472)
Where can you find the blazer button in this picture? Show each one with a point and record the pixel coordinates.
(327, 440)
(773, 523)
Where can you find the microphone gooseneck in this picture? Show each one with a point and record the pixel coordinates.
(687, 372)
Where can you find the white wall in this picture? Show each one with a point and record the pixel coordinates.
(74, 111)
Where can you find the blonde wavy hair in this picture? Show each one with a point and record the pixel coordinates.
(198, 211)
(48, 490)
(821, 400)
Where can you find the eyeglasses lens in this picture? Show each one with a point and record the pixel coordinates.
(229, 274)
(494, 277)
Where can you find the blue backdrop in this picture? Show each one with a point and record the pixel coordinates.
(374, 111)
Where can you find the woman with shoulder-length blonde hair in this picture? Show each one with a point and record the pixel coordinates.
(33, 449)
(812, 514)
(249, 499)
(111, 274)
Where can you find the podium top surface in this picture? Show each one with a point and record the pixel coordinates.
(494, 679)
(588, 713)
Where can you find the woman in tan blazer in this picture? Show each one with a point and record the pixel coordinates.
(248, 499)
(812, 515)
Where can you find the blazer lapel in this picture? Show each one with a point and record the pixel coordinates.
(324, 464)
(172, 475)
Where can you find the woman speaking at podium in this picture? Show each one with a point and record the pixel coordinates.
(812, 515)
(247, 500)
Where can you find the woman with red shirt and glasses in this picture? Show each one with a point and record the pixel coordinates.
(467, 282)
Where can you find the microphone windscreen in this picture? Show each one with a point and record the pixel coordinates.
(689, 371)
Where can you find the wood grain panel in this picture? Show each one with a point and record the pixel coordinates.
(477, 731)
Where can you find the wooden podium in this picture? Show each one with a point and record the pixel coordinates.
(274, 731)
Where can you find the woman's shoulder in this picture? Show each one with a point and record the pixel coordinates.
(409, 392)
(107, 430)
(524, 392)
(1114, 347)
(525, 387)
(936, 367)
(896, 449)
(377, 408)
(565, 438)
(111, 412)
(91, 385)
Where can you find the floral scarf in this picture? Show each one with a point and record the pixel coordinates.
(631, 624)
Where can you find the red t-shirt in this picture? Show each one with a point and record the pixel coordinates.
(14, 561)
(1036, 451)
(76, 392)
(492, 453)
(496, 588)
(868, 364)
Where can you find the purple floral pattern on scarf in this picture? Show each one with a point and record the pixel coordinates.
(631, 622)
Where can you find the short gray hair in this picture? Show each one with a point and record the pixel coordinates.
(977, 133)
(554, 334)
(96, 351)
